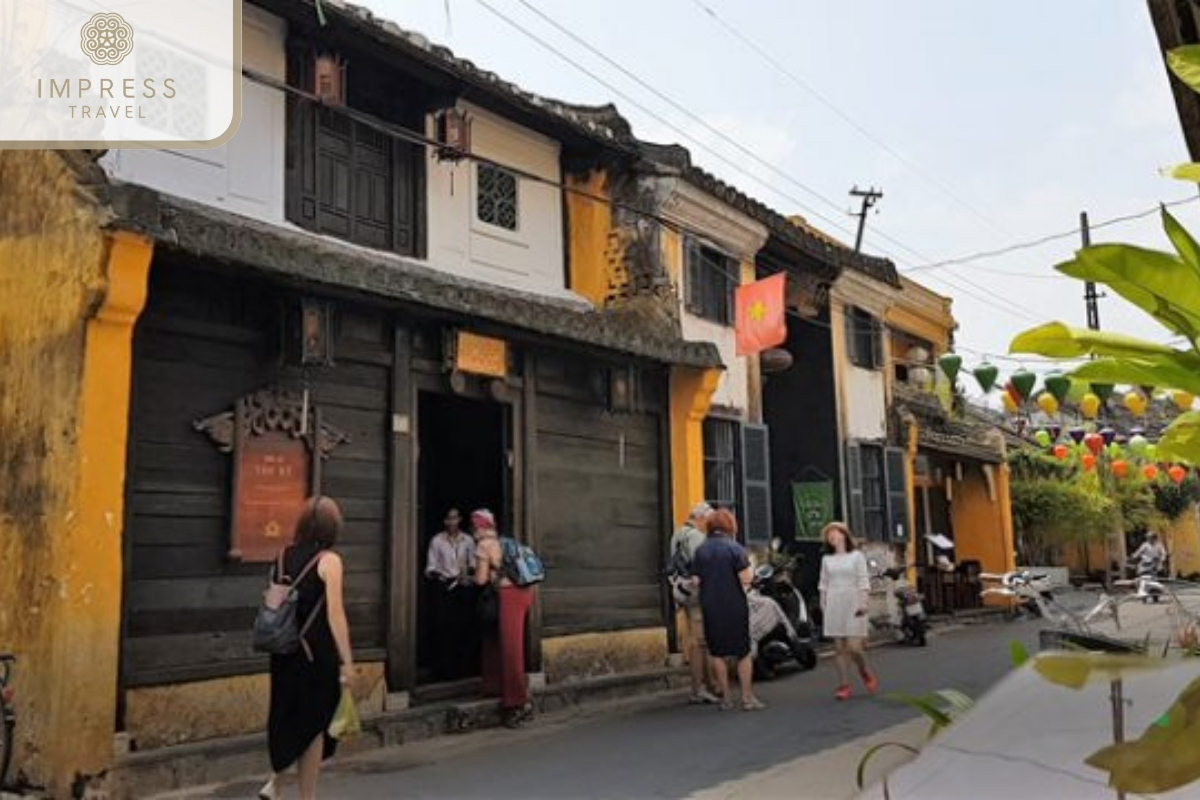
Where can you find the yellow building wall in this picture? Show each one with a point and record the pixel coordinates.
(1182, 540)
(68, 298)
(980, 531)
(691, 396)
(590, 223)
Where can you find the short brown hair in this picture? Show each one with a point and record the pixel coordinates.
(851, 545)
(723, 521)
(321, 522)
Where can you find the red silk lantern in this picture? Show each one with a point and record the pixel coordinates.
(1094, 442)
(1120, 468)
(1088, 461)
(1150, 472)
(1061, 452)
(1177, 474)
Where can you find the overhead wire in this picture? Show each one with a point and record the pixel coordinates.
(763, 53)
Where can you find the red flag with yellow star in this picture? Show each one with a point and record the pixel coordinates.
(759, 307)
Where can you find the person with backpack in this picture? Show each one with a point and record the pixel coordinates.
(689, 618)
(504, 648)
(306, 683)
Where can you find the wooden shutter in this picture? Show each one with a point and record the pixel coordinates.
(406, 162)
(300, 170)
(876, 342)
(854, 490)
(756, 483)
(895, 467)
(693, 276)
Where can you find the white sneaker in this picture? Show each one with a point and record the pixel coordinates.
(704, 697)
(269, 791)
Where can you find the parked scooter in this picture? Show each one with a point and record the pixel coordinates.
(913, 622)
(780, 628)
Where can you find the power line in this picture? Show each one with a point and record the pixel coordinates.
(829, 104)
(1054, 237)
(691, 137)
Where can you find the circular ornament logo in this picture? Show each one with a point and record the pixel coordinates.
(106, 39)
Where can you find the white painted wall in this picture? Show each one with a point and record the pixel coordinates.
(733, 390)
(245, 175)
(866, 403)
(529, 258)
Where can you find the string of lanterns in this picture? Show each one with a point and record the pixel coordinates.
(1089, 443)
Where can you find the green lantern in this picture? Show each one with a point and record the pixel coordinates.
(1058, 385)
(986, 374)
(1023, 381)
(950, 363)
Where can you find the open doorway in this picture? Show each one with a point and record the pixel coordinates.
(463, 464)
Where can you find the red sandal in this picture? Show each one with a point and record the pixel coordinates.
(843, 692)
(870, 682)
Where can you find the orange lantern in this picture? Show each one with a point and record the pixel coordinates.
(1088, 461)
(1177, 474)
(1061, 452)
(1150, 472)
(1120, 468)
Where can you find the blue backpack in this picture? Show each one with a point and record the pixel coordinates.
(519, 563)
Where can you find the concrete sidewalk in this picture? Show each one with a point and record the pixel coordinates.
(829, 774)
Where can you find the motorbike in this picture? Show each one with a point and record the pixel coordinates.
(913, 622)
(780, 627)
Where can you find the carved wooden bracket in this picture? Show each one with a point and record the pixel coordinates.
(271, 410)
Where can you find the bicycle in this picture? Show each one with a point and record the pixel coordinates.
(1033, 588)
(8, 716)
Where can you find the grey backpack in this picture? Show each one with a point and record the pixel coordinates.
(276, 629)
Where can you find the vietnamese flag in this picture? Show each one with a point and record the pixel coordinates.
(759, 311)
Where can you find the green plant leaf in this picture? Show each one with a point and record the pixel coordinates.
(957, 701)
(925, 704)
(1184, 244)
(1185, 172)
(1185, 63)
(1017, 653)
(1165, 757)
(1181, 373)
(867, 756)
(1057, 340)
(1181, 440)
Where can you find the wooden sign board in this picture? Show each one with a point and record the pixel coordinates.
(271, 484)
(480, 355)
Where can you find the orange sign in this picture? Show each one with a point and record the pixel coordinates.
(269, 494)
(481, 355)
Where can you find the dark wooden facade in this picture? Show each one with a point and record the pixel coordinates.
(587, 486)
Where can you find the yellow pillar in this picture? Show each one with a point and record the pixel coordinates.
(86, 642)
(691, 396)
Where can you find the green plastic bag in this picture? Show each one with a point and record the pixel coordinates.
(345, 722)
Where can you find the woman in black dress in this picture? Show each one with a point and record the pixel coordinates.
(306, 686)
(723, 572)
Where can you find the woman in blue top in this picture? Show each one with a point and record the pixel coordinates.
(723, 572)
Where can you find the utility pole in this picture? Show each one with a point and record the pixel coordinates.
(869, 198)
(1089, 288)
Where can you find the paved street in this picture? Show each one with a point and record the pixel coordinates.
(670, 749)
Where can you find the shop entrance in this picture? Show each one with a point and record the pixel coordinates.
(463, 463)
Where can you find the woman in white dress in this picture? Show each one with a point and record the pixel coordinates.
(845, 588)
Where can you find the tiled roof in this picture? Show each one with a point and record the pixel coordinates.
(937, 430)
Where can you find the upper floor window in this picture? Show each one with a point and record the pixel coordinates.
(864, 339)
(496, 197)
(710, 277)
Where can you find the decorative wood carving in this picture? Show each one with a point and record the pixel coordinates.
(272, 435)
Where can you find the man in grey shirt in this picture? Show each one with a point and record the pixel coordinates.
(685, 591)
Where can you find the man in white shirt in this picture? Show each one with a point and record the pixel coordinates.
(448, 566)
(689, 622)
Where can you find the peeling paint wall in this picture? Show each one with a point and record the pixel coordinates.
(590, 226)
(51, 277)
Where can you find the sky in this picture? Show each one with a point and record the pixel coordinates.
(985, 124)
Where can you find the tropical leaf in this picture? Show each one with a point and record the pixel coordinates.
(1160, 284)
(1074, 670)
(956, 700)
(1017, 653)
(1184, 244)
(1181, 440)
(867, 756)
(1173, 373)
(1165, 757)
(1185, 63)
(1185, 172)
(925, 704)
(1057, 340)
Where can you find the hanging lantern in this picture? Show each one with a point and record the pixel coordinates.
(1152, 452)
(1042, 437)
(1103, 391)
(1177, 473)
(1088, 461)
(986, 374)
(1183, 400)
(1120, 468)
(950, 364)
(1048, 404)
(1010, 405)
(921, 377)
(1055, 432)
(1094, 442)
(1058, 385)
(1061, 451)
(1150, 472)
(1138, 444)
(1023, 382)
(1108, 435)
(1089, 406)
(774, 360)
(1136, 403)
(1077, 435)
